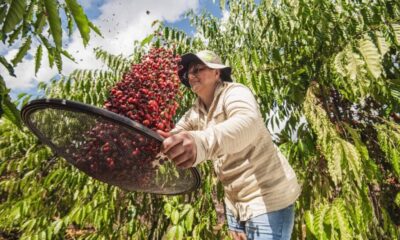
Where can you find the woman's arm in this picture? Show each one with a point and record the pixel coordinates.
(189, 148)
(234, 134)
(178, 144)
(185, 123)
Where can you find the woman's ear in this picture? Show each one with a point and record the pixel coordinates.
(218, 73)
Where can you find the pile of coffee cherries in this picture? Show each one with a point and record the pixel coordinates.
(146, 94)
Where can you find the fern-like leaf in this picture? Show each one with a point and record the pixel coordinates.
(7, 65)
(353, 159)
(340, 218)
(57, 59)
(333, 151)
(146, 40)
(80, 19)
(14, 35)
(397, 199)
(339, 64)
(95, 28)
(7, 108)
(115, 63)
(369, 166)
(3, 12)
(22, 51)
(54, 21)
(320, 217)
(38, 58)
(389, 140)
(14, 16)
(310, 222)
(353, 66)
(327, 138)
(371, 56)
(382, 44)
(396, 30)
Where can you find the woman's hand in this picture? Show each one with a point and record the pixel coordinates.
(180, 148)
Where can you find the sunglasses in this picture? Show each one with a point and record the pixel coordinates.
(195, 71)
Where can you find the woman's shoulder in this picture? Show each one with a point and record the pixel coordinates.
(236, 87)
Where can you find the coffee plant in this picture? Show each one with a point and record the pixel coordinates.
(24, 24)
(326, 74)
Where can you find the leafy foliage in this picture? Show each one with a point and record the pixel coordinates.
(324, 72)
(389, 139)
(26, 21)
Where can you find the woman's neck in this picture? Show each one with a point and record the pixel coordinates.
(208, 98)
(207, 101)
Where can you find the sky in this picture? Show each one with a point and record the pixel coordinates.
(121, 23)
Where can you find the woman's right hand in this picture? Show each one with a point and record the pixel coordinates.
(180, 148)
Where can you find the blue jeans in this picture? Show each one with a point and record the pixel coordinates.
(268, 226)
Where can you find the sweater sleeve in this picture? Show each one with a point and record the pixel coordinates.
(233, 134)
(185, 123)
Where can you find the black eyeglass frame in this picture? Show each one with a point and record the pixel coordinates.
(197, 69)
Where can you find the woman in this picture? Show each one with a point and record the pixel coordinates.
(225, 125)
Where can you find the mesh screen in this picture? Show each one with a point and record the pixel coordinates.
(111, 152)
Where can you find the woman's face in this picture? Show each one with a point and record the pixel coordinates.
(202, 79)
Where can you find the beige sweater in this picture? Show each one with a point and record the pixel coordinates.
(256, 177)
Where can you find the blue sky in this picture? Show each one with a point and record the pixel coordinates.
(121, 22)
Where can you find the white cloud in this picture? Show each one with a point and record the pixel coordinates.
(86, 3)
(121, 22)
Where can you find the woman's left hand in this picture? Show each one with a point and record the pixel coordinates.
(180, 148)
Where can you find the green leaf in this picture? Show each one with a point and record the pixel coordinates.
(22, 51)
(28, 18)
(339, 59)
(166, 32)
(175, 216)
(175, 233)
(69, 56)
(14, 36)
(147, 40)
(58, 225)
(3, 12)
(50, 50)
(353, 158)
(167, 209)
(397, 199)
(80, 19)
(310, 222)
(54, 21)
(50, 55)
(341, 219)
(38, 58)
(10, 111)
(382, 44)
(70, 23)
(396, 30)
(371, 57)
(189, 220)
(95, 28)
(14, 16)
(171, 233)
(354, 61)
(7, 65)
(29, 225)
(320, 215)
(40, 22)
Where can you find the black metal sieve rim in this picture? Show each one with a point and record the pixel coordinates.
(74, 106)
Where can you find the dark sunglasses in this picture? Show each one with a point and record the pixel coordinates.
(194, 71)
